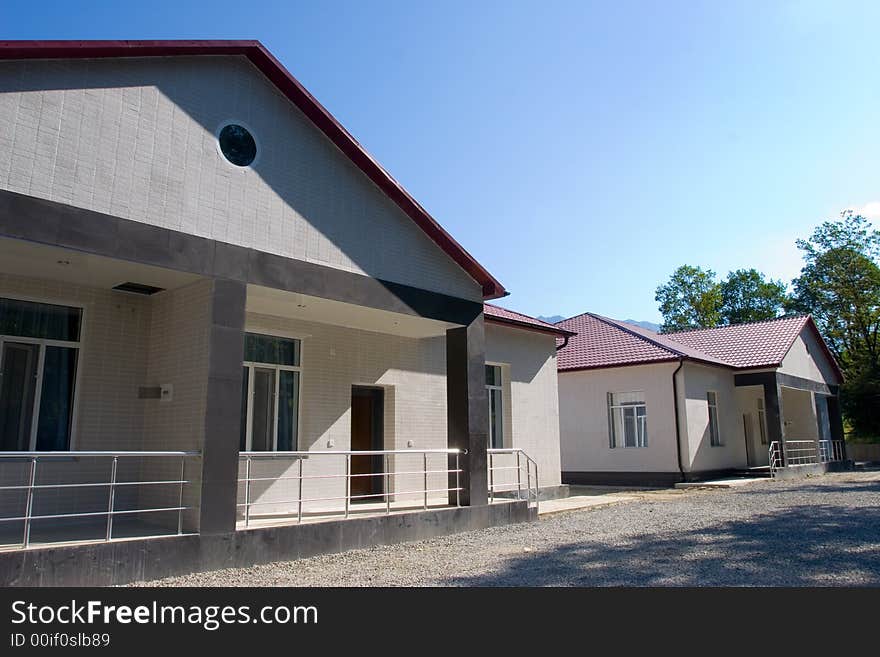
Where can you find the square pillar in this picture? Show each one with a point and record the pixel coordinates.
(222, 408)
(835, 422)
(775, 413)
(467, 423)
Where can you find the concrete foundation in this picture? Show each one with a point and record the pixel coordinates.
(122, 562)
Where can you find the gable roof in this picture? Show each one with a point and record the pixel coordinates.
(498, 315)
(754, 344)
(604, 342)
(275, 72)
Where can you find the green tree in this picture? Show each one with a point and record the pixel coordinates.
(746, 296)
(691, 299)
(840, 286)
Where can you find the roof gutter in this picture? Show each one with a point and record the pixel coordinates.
(677, 423)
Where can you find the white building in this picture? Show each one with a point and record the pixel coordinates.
(638, 407)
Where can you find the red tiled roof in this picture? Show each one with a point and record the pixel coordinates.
(500, 315)
(263, 60)
(756, 344)
(603, 342)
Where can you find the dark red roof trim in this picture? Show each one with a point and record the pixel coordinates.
(298, 95)
(498, 315)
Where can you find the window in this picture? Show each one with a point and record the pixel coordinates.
(270, 394)
(495, 392)
(627, 419)
(39, 353)
(237, 145)
(714, 435)
(762, 421)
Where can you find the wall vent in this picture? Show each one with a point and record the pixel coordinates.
(138, 288)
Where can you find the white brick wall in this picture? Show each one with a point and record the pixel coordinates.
(135, 138)
(532, 413)
(413, 374)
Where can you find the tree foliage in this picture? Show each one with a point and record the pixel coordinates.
(840, 286)
(694, 298)
(747, 296)
(691, 299)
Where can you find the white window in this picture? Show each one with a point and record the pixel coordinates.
(762, 421)
(39, 355)
(627, 419)
(495, 393)
(714, 435)
(270, 394)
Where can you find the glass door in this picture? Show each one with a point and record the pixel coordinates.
(18, 384)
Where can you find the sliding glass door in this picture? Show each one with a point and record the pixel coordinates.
(39, 351)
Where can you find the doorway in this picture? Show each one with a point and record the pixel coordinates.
(367, 434)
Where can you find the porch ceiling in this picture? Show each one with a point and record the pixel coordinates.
(20, 258)
(279, 303)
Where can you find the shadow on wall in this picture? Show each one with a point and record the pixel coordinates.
(320, 189)
(795, 547)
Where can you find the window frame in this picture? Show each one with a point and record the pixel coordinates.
(715, 439)
(613, 442)
(277, 368)
(43, 343)
(500, 388)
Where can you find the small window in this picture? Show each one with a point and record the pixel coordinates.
(495, 393)
(627, 419)
(762, 421)
(270, 398)
(237, 145)
(714, 435)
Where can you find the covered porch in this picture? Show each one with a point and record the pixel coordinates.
(790, 422)
(140, 400)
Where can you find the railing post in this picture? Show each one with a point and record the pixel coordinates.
(491, 477)
(425, 472)
(300, 494)
(519, 477)
(528, 480)
(347, 483)
(387, 485)
(457, 479)
(180, 496)
(112, 498)
(29, 507)
(247, 490)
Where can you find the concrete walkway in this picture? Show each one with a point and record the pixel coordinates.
(734, 482)
(581, 502)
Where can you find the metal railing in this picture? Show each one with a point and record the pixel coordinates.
(805, 452)
(775, 457)
(831, 451)
(517, 473)
(37, 481)
(316, 494)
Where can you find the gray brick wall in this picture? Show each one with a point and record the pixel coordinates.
(136, 138)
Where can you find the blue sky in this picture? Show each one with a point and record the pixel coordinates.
(581, 151)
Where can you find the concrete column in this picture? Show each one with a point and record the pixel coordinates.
(835, 421)
(223, 408)
(775, 414)
(467, 409)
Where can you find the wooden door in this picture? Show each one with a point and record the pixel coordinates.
(366, 435)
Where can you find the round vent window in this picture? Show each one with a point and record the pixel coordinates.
(237, 145)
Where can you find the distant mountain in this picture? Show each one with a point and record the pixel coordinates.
(651, 326)
(552, 319)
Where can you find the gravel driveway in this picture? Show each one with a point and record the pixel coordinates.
(822, 531)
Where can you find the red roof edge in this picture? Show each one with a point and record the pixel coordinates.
(531, 327)
(298, 95)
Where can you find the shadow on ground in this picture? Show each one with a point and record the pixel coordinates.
(801, 546)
